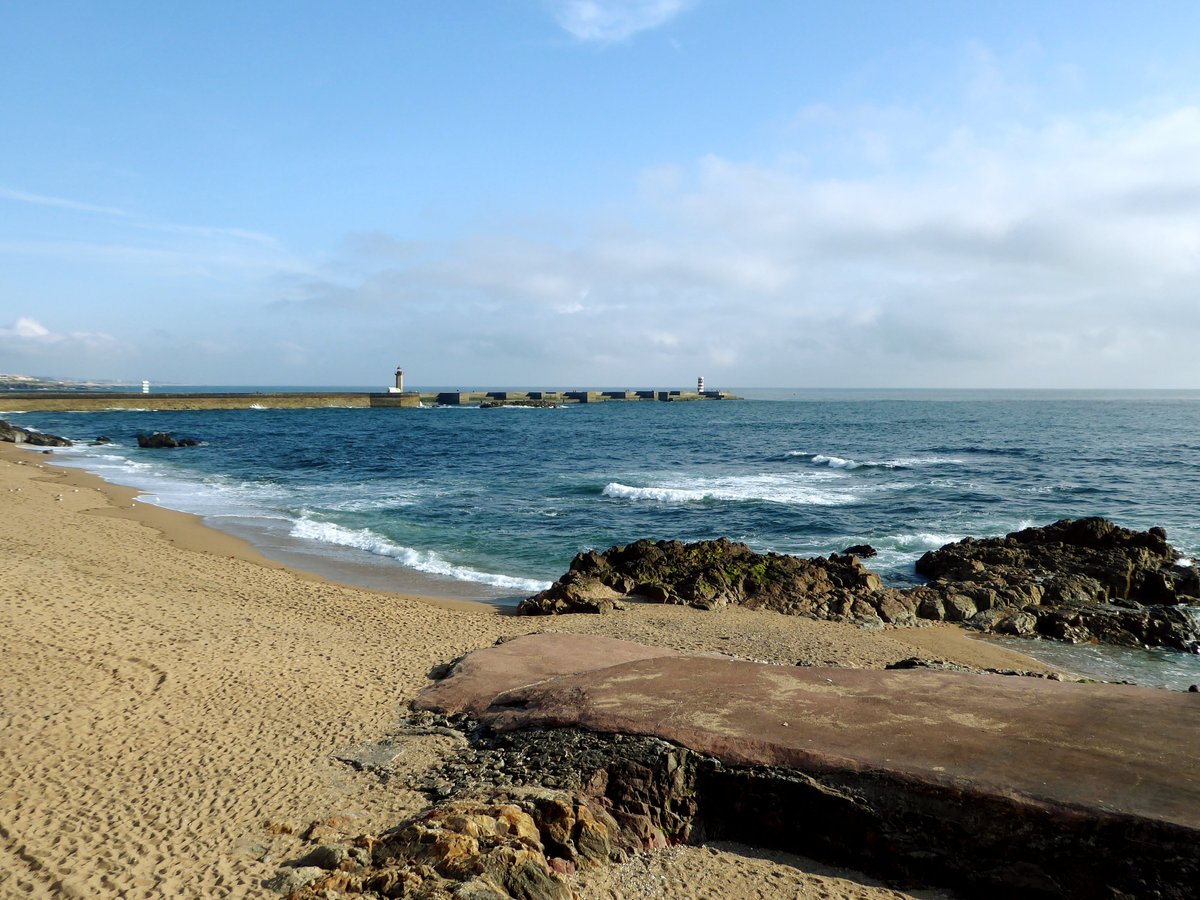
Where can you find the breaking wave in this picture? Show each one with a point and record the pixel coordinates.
(904, 462)
(786, 489)
(422, 560)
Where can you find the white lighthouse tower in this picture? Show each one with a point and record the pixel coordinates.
(700, 385)
(399, 388)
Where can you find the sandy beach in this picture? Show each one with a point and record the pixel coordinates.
(170, 700)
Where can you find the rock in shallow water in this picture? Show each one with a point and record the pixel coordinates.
(14, 434)
(1075, 580)
(160, 440)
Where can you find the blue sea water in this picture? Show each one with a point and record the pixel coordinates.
(495, 503)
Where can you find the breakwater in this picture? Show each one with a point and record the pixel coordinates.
(36, 401)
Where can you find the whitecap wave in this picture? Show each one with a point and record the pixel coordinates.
(835, 462)
(916, 462)
(422, 560)
(784, 489)
(831, 461)
(920, 540)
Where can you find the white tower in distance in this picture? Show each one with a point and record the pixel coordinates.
(399, 388)
(700, 385)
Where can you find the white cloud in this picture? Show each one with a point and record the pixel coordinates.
(26, 329)
(613, 21)
(59, 202)
(139, 241)
(1067, 254)
(31, 330)
(28, 335)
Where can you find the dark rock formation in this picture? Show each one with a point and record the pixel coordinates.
(160, 440)
(1075, 580)
(864, 551)
(13, 434)
(711, 574)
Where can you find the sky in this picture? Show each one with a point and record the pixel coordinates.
(624, 193)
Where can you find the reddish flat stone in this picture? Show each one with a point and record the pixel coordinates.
(526, 660)
(1095, 786)
(1118, 748)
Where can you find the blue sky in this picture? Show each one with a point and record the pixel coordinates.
(606, 192)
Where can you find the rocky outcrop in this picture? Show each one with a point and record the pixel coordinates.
(1075, 580)
(986, 785)
(518, 842)
(712, 574)
(161, 440)
(16, 435)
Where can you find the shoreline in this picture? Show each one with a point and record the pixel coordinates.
(194, 532)
(173, 700)
(253, 542)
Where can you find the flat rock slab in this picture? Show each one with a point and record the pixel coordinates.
(478, 677)
(1083, 753)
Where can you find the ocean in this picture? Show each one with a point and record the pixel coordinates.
(493, 504)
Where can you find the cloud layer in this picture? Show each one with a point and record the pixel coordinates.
(613, 21)
(1064, 254)
(1004, 236)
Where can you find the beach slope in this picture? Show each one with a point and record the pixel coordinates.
(171, 702)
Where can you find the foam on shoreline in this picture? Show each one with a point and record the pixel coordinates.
(273, 540)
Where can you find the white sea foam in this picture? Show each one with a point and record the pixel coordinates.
(914, 462)
(835, 462)
(422, 560)
(212, 495)
(356, 502)
(921, 540)
(787, 489)
(901, 462)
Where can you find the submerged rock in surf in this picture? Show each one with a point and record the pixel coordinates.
(161, 440)
(14, 434)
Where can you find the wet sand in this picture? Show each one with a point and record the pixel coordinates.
(167, 692)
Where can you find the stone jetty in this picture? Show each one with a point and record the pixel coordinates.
(33, 401)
